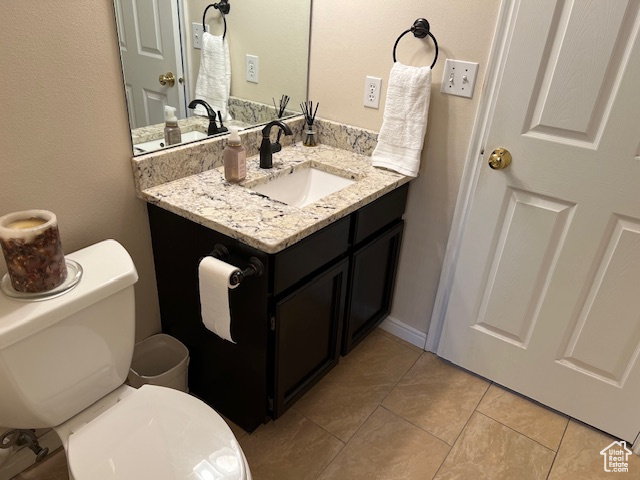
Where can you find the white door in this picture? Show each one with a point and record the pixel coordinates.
(545, 297)
(149, 35)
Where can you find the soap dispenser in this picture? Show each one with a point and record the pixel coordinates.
(172, 134)
(234, 156)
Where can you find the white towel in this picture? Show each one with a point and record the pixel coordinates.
(215, 281)
(214, 78)
(405, 120)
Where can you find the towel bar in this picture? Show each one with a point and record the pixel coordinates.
(420, 29)
(224, 8)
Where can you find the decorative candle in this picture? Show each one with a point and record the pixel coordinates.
(32, 248)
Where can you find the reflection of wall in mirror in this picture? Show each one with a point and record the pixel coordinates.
(276, 31)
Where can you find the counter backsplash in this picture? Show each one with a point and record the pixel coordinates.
(190, 159)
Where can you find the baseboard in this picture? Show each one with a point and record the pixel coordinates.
(404, 331)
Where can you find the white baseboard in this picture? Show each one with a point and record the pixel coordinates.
(404, 331)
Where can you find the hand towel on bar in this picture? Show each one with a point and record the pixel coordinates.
(215, 281)
(214, 78)
(404, 123)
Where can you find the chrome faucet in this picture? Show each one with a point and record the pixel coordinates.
(213, 126)
(267, 149)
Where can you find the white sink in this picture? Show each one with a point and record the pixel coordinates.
(154, 145)
(303, 187)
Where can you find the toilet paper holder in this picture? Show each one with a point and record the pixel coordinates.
(255, 268)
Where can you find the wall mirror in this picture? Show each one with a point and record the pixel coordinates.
(268, 45)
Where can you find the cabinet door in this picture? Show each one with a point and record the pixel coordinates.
(308, 328)
(371, 282)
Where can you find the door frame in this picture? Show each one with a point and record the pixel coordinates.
(179, 12)
(473, 164)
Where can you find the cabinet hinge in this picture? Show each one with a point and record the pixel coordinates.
(273, 323)
(270, 403)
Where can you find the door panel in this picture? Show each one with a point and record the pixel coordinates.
(530, 238)
(544, 298)
(148, 48)
(596, 329)
(146, 17)
(559, 108)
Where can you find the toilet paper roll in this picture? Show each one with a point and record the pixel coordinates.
(215, 281)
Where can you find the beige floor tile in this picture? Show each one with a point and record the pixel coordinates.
(343, 400)
(579, 456)
(388, 447)
(437, 397)
(292, 448)
(238, 431)
(410, 346)
(488, 450)
(539, 423)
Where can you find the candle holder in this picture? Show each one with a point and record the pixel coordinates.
(32, 249)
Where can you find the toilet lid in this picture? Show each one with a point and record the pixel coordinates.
(156, 433)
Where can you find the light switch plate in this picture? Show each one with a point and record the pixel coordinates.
(459, 78)
(252, 68)
(197, 34)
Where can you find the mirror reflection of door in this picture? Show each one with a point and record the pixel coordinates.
(150, 47)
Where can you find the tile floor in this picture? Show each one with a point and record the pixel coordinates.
(390, 411)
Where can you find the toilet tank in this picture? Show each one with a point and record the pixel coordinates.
(59, 356)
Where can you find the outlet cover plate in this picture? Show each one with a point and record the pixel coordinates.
(252, 68)
(453, 78)
(372, 88)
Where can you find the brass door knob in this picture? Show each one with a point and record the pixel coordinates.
(167, 79)
(500, 159)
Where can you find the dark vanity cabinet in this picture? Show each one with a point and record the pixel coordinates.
(315, 300)
(371, 280)
(308, 328)
(376, 238)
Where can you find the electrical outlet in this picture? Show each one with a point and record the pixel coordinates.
(372, 87)
(459, 78)
(252, 68)
(197, 34)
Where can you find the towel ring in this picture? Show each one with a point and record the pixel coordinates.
(420, 29)
(224, 8)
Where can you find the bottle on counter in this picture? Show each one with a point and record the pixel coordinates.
(235, 158)
(172, 134)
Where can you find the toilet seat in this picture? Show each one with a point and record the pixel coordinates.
(156, 433)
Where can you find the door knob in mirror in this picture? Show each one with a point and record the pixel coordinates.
(167, 79)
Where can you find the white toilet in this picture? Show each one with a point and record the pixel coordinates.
(63, 364)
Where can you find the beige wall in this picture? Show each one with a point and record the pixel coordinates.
(65, 146)
(64, 135)
(347, 45)
(276, 31)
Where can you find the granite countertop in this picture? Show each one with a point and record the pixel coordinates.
(269, 225)
(191, 124)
